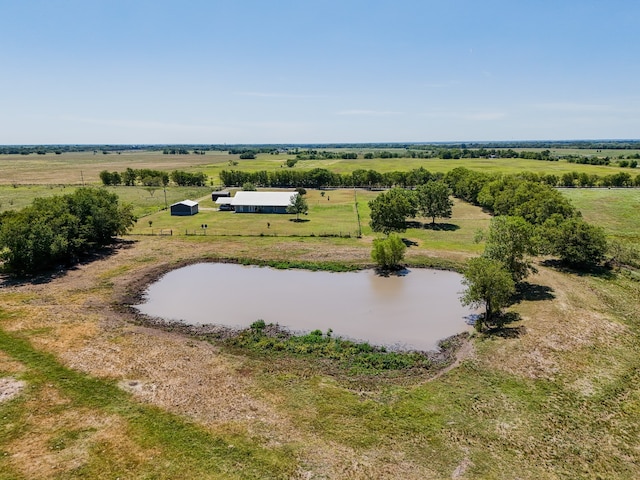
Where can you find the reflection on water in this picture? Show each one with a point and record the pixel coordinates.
(413, 310)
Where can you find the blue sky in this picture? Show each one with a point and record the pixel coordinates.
(280, 71)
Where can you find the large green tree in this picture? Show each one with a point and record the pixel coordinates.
(489, 285)
(433, 200)
(390, 209)
(511, 241)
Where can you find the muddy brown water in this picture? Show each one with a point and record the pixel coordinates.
(413, 310)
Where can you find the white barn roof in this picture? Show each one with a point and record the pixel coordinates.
(224, 201)
(263, 199)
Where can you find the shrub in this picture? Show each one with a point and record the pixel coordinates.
(388, 252)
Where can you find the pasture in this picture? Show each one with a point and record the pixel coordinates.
(615, 209)
(77, 168)
(554, 394)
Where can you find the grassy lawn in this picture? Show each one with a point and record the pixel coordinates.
(331, 213)
(145, 200)
(616, 209)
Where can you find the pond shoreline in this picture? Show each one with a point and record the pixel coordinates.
(134, 291)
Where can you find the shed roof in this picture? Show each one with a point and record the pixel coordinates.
(263, 199)
(188, 203)
(224, 201)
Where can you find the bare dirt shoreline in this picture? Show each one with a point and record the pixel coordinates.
(452, 349)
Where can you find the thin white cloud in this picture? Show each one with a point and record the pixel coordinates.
(370, 113)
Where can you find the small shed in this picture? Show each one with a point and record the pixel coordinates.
(185, 207)
(262, 202)
(222, 194)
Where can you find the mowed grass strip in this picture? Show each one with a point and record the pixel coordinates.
(182, 449)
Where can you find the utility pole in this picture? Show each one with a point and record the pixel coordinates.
(82, 177)
(165, 197)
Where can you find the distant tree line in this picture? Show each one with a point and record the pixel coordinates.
(175, 151)
(60, 229)
(152, 178)
(295, 148)
(321, 177)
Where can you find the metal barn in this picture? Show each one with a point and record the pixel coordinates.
(184, 208)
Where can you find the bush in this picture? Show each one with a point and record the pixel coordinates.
(388, 252)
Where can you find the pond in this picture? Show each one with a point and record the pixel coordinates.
(413, 310)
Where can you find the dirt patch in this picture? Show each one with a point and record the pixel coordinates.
(10, 388)
(554, 328)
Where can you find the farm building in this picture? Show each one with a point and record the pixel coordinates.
(216, 195)
(262, 202)
(185, 207)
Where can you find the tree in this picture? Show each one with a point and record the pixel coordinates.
(511, 241)
(390, 209)
(298, 205)
(575, 241)
(489, 284)
(129, 177)
(433, 200)
(61, 228)
(248, 187)
(388, 252)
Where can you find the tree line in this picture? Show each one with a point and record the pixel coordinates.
(321, 177)
(530, 219)
(152, 178)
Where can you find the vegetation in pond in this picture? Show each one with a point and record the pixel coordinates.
(355, 357)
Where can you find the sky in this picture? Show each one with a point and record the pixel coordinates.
(317, 71)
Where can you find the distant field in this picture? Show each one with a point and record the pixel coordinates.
(77, 168)
(615, 209)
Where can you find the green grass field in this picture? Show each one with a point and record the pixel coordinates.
(616, 209)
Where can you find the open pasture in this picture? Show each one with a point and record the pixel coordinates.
(617, 210)
(77, 168)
